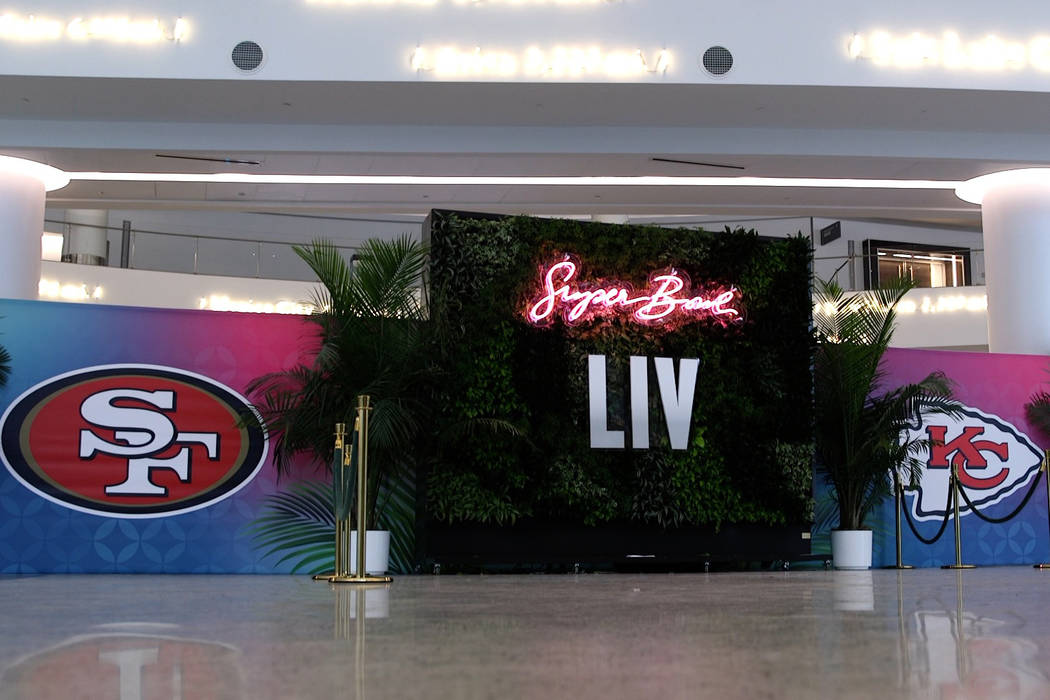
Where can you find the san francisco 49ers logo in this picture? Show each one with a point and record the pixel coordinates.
(132, 441)
(994, 460)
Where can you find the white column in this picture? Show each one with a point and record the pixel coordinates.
(86, 237)
(21, 226)
(23, 184)
(1016, 218)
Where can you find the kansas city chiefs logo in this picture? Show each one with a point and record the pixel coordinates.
(132, 440)
(994, 459)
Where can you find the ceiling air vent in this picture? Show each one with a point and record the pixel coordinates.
(717, 60)
(247, 56)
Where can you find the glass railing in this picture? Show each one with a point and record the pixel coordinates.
(164, 251)
(167, 251)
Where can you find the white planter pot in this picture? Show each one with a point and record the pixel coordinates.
(377, 551)
(851, 549)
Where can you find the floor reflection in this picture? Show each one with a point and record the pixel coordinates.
(127, 662)
(959, 654)
(808, 634)
(854, 591)
(354, 605)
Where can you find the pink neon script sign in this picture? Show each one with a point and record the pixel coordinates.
(668, 299)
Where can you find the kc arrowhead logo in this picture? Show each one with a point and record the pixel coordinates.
(994, 460)
(132, 440)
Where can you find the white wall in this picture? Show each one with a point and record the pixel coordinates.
(109, 285)
(777, 43)
(947, 318)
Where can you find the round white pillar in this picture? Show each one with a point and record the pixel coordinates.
(23, 185)
(1015, 210)
(86, 236)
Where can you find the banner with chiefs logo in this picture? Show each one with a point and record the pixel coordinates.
(998, 455)
(128, 445)
(127, 442)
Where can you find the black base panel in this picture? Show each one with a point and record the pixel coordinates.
(552, 544)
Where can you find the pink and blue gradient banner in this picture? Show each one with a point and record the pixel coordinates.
(52, 345)
(998, 454)
(47, 339)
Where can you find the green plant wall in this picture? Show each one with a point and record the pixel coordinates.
(750, 449)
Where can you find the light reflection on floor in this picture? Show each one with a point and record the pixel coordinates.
(924, 633)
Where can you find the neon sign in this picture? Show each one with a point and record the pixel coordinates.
(17, 27)
(556, 62)
(949, 50)
(670, 298)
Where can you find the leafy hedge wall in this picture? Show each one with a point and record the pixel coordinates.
(750, 451)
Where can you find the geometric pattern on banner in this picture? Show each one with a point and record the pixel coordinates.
(998, 452)
(206, 354)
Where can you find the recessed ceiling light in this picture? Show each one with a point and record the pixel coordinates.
(55, 179)
(504, 181)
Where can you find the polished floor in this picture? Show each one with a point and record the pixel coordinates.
(799, 634)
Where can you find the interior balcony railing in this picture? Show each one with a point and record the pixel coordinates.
(862, 265)
(167, 251)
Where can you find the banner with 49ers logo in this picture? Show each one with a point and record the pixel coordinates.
(1002, 508)
(128, 445)
(127, 441)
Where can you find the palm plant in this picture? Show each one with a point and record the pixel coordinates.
(858, 424)
(370, 341)
(1037, 411)
(5, 366)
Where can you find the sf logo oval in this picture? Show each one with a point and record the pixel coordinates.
(132, 441)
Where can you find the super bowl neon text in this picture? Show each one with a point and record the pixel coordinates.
(669, 298)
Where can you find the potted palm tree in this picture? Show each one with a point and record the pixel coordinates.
(369, 322)
(859, 423)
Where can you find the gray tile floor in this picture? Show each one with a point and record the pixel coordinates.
(800, 634)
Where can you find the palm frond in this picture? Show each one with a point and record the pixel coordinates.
(859, 424)
(298, 526)
(370, 340)
(332, 270)
(1037, 411)
(397, 513)
(388, 272)
(5, 366)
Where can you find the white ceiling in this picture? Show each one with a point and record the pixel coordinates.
(502, 129)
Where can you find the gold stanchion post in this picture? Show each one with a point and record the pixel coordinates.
(1045, 468)
(954, 485)
(898, 501)
(338, 460)
(360, 575)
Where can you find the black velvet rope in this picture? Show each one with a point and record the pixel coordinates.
(940, 530)
(997, 521)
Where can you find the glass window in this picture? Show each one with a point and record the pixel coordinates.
(925, 265)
